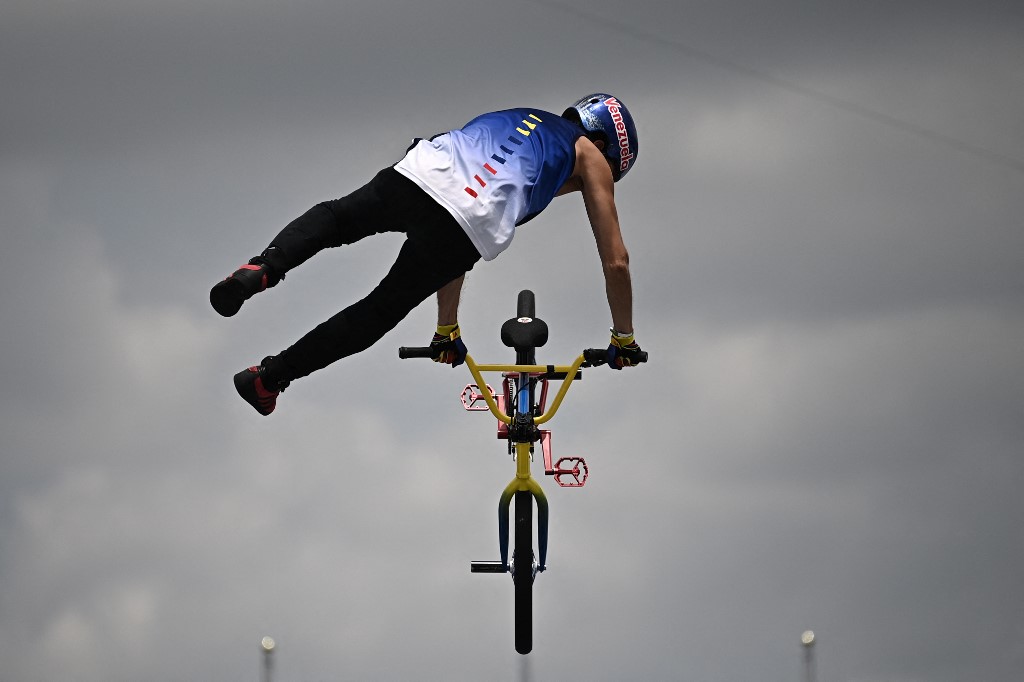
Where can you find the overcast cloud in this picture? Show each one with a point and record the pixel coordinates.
(828, 258)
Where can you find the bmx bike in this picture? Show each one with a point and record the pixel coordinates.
(520, 408)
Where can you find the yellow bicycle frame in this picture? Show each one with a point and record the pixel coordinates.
(524, 481)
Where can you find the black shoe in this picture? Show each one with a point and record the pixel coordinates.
(227, 296)
(254, 387)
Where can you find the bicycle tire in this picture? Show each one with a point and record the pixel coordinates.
(522, 574)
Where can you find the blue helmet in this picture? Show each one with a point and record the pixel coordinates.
(606, 118)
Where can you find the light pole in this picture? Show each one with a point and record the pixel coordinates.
(807, 639)
(267, 647)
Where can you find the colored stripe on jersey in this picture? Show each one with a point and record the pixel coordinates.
(496, 172)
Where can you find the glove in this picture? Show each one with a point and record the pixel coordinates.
(623, 351)
(447, 345)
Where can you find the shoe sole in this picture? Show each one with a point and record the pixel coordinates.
(246, 389)
(227, 297)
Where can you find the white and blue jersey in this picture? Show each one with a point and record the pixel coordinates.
(496, 172)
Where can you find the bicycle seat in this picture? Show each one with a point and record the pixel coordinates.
(524, 333)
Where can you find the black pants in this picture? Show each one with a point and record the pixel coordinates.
(435, 252)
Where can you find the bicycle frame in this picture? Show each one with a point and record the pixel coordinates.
(522, 434)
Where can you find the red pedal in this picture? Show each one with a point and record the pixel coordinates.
(473, 400)
(571, 474)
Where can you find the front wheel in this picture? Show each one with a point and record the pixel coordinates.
(522, 572)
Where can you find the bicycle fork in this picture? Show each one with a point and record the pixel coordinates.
(525, 483)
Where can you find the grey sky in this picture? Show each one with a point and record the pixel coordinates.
(825, 230)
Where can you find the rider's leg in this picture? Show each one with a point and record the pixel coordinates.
(328, 224)
(435, 252)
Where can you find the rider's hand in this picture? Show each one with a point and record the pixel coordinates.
(447, 345)
(623, 351)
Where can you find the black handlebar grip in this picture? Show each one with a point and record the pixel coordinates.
(407, 352)
(526, 306)
(599, 356)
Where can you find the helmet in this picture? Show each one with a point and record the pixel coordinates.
(606, 118)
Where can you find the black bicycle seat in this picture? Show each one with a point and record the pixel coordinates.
(524, 333)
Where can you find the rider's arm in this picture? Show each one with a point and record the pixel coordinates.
(448, 302)
(447, 345)
(593, 178)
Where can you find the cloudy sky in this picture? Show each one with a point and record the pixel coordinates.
(828, 254)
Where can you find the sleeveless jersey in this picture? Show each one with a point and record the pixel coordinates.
(496, 172)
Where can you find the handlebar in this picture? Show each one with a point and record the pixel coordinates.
(592, 357)
(525, 338)
(408, 352)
